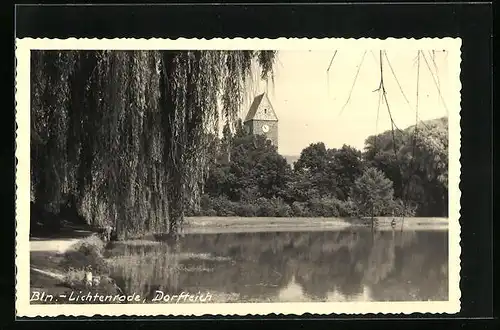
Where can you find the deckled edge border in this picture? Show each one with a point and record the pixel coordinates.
(258, 41)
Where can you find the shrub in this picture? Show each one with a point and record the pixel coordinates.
(210, 213)
(299, 209)
(348, 208)
(372, 192)
(277, 207)
(246, 209)
(205, 202)
(189, 212)
(87, 253)
(266, 208)
(74, 277)
(281, 209)
(323, 207)
(396, 208)
(223, 206)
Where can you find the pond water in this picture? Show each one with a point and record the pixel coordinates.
(348, 265)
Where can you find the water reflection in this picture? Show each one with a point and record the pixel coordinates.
(295, 266)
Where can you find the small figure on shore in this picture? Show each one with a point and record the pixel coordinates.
(88, 276)
(108, 230)
(393, 221)
(107, 233)
(96, 280)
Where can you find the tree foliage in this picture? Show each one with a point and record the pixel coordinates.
(121, 136)
(328, 172)
(373, 193)
(419, 169)
(255, 170)
(325, 182)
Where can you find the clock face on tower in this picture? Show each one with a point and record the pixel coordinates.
(265, 128)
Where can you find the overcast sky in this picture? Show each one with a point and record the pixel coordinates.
(308, 101)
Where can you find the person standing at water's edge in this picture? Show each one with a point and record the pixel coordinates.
(88, 276)
(108, 231)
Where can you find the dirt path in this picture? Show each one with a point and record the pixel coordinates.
(54, 275)
(55, 244)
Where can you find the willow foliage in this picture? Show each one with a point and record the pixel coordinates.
(121, 136)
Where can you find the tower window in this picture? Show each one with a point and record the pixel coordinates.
(265, 111)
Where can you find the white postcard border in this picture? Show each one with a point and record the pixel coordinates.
(22, 153)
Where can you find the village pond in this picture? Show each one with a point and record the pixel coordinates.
(355, 264)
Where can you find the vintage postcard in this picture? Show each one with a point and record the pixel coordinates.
(237, 176)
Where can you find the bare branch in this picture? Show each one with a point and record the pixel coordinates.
(353, 84)
(399, 85)
(331, 61)
(328, 71)
(435, 83)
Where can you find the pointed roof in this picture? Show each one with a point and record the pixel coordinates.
(259, 109)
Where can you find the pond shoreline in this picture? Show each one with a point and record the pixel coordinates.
(261, 224)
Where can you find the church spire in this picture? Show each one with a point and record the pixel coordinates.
(261, 119)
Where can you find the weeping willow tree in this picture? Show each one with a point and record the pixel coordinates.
(121, 136)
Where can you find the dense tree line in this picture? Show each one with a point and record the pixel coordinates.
(403, 172)
(120, 137)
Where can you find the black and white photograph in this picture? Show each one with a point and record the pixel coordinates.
(221, 176)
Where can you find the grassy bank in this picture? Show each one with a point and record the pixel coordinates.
(60, 274)
(234, 224)
(259, 224)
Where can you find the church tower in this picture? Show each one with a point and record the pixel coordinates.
(262, 120)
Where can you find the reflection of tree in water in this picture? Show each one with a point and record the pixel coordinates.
(380, 261)
(420, 271)
(144, 269)
(393, 265)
